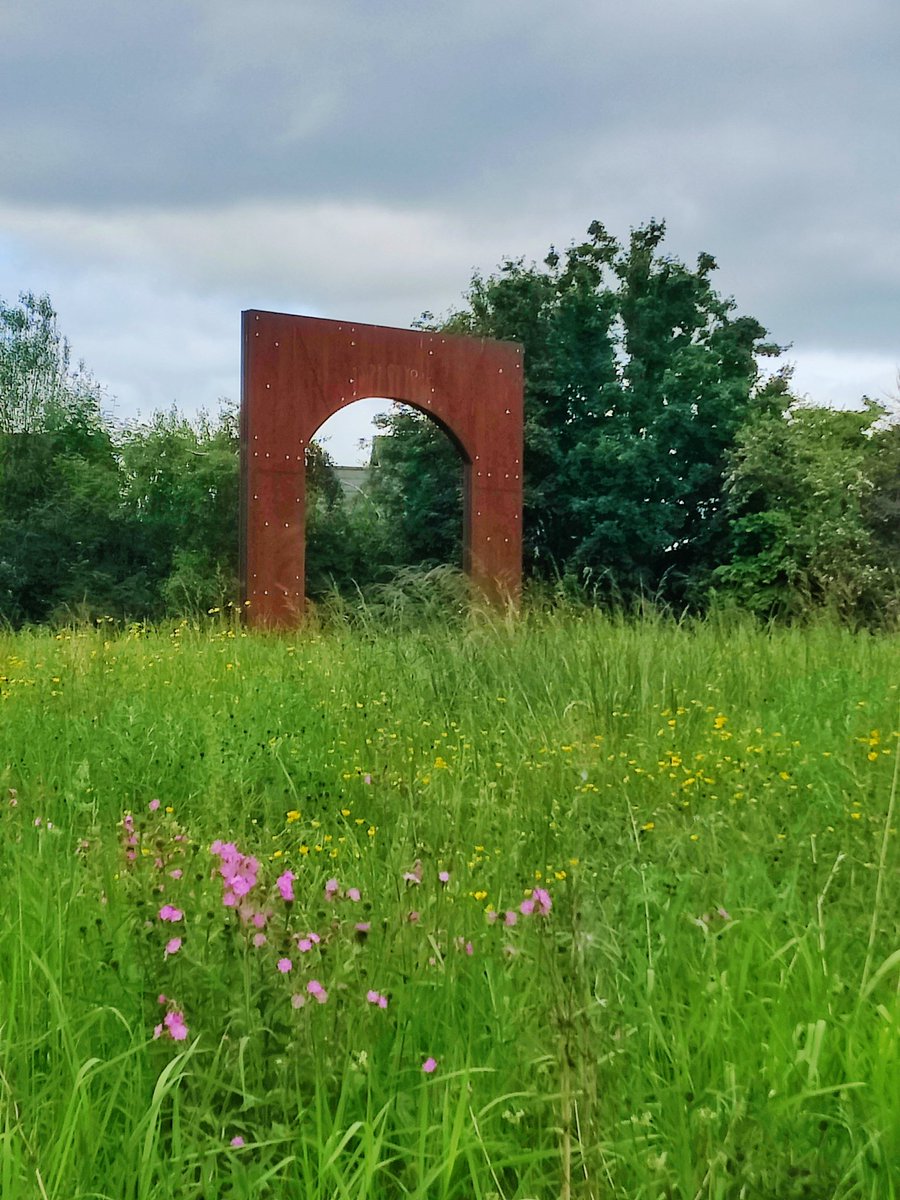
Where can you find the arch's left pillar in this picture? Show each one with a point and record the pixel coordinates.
(298, 371)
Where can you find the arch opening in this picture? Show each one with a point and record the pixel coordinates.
(390, 501)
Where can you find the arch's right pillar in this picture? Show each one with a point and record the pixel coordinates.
(493, 543)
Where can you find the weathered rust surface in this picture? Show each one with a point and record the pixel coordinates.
(298, 371)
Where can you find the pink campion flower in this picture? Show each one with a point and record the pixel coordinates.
(415, 875)
(361, 929)
(510, 918)
(429, 1066)
(542, 901)
(444, 877)
(297, 1001)
(157, 1031)
(316, 990)
(285, 885)
(353, 894)
(176, 874)
(173, 945)
(469, 949)
(153, 805)
(161, 999)
(376, 998)
(229, 899)
(128, 823)
(304, 945)
(259, 919)
(237, 1141)
(526, 908)
(174, 1022)
(259, 939)
(284, 965)
(169, 912)
(332, 887)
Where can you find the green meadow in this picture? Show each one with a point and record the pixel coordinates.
(562, 906)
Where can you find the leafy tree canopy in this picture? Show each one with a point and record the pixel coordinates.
(638, 375)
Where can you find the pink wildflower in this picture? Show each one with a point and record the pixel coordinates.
(367, 778)
(510, 918)
(169, 912)
(297, 1001)
(285, 885)
(376, 998)
(284, 965)
(173, 945)
(526, 908)
(174, 1022)
(237, 1141)
(332, 887)
(316, 990)
(153, 805)
(259, 939)
(542, 901)
(444, 877)
(353, 894)
(415, 875)
(429, 1066)
(176, 874)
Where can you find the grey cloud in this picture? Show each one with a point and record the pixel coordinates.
(368, 155)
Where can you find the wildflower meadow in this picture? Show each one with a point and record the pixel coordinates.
(556, 906)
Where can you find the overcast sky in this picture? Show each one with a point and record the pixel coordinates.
(165, 165)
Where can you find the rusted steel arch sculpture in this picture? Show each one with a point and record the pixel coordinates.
(299, 371)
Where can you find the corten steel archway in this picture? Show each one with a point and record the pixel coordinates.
(299, 371)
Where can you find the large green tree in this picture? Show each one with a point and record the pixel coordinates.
(638, 375)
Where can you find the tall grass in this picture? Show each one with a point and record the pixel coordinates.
(708, 1009)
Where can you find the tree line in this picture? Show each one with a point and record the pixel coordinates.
(664, 458)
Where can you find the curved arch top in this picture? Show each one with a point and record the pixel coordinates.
(299, 371)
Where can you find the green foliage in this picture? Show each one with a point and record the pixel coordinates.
(416, 488)
(180, 498)
(812, 497)
(63, 544)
